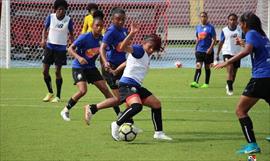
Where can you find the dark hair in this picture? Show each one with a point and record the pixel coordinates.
(253, 22)
(156, 40)
(232, 14)
(91, 6)
(59, 3)
(117, 10)
(205, 13)
(98, 15)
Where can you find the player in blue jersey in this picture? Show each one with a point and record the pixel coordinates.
(131, 90)
(258, 46)
(84, 68)
(114, 60)
(229, 48)
(206, 39)
(58, 26)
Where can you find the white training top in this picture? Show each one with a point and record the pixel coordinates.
(58, 30)
(229, 46)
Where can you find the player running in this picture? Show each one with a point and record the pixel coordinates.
(206, 39)
(131, 90)
(84, 69)
(258, 45)
(58, 25)
(229, 48)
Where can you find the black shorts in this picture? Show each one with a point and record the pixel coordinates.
(235, 64)
(89, 75)
(112, 81)
(58, 58)
(128, 90)
(258, 88)
(203, 57)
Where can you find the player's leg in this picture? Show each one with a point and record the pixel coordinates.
(199, 61)
(47, 61)
(244, 105)
(230, 75)
(156, 113)
(209, 59)
(59, 82)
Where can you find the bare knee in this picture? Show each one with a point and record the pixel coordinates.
(82, 92)
(240, 113)
(198, 66)
(156, 104)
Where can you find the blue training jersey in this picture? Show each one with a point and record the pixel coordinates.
(204, 35)
(112, 38)
(260, 56)
(88, 48)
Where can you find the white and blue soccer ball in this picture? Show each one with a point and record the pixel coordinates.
(127, 132)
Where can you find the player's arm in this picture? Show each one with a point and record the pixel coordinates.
(71, 31)
(214, 40)
(72, 52)
(45, 31)
(103, 57)
(220, 44)
(119, 69)
(125, 44)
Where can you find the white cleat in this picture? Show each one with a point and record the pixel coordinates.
(115, 131)
(160, 135)
(65, 114)
(56, 100)
(87, 114)
(230, 93)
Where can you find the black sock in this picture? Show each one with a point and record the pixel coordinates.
(70, 103)
(247, 129)
(48, 82)
(197, 75)
(230, 85)
(116, 109)
(157, 119)
(58, 86)
(93, 108)
(129, 113)
(207, 75)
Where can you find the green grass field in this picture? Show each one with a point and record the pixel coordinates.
(201, 121)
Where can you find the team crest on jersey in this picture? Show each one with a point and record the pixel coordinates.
(59, 25)
(204, 29)
(92, 52)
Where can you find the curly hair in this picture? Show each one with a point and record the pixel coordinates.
(92, 6)
(156, 40)
(59, 3)
(117, 10)
(98, 15)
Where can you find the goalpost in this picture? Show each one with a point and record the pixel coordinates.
(173, 20)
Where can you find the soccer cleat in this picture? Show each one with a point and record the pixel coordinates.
(48, 97)
(204, 86)
(160, 135)
(268, 138)
(115, 131)
(56, 100)
(65, 114)
(249, 149)
(87, 114)
(229, 93)
(194, 85)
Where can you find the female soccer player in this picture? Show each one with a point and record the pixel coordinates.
(84, 69)
(131, 90)
(58, 25)
(258, 45)
(229, 48)
(206, 39)
(88, 20)
(114, 60)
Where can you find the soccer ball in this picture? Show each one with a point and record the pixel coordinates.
(178, 64)
(126, 132)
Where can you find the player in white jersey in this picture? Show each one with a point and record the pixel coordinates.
(229, 48)
(57, 26)
(130, 84)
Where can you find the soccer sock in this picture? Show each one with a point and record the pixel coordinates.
(58, 86)
(197, 75)
(247, 128)
(230, 84)
(48, 82)
(129, 113)
(70, 103)
(93, 108)
(207, 75)
(116, 109)
(157, 119)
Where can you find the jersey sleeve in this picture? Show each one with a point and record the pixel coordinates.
(138, 51)
(70, 25)
(213, 31)
(222, 37)
(79, 42)
(47, 21)
(108, 37)
(251, 38)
